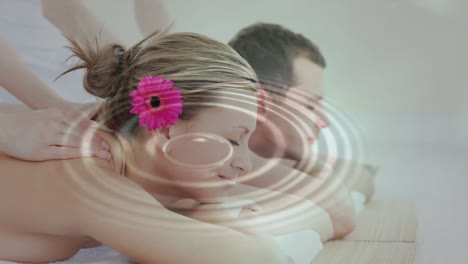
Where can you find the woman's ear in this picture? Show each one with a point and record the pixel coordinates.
(165, 132)
(162, 136)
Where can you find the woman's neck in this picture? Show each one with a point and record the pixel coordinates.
(146, 168)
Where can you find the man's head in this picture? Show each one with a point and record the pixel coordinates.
(290, 70)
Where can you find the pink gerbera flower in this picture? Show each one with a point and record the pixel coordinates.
(156, 102)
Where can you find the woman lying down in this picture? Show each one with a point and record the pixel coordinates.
(144, 203)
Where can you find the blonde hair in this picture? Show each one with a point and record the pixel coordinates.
(197, 65)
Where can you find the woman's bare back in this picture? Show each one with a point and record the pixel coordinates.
(31, 227)
(37, 220)
(38, 216)
(36, 223)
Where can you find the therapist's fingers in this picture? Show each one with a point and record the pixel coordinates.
(86, 129)
(90, 127)
(88, 135)
(77, 121)
(89, 111)
(71, 135)
(77, 141)
(59, 152)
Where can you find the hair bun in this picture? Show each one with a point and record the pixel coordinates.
(104, 73)
(103, 76)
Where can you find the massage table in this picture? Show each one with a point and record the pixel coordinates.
(385, 233)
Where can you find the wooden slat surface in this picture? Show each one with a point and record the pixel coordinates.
(385, 233)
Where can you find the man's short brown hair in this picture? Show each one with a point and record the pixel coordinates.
(271, 49)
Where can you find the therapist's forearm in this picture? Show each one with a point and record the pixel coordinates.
(3, 122)
(151, 15)
(355, 176)
(76, 21)
(7, 120)
(328, 193)
(19, 80)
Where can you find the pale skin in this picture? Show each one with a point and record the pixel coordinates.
(92, 199)
(76, 20)
(40, 143)
(20, 81)
(69, 222)
(36, 95)
(332, 196)
(46, 140)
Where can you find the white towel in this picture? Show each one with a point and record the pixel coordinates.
(300, 247)
(97, 255)
(359, 201)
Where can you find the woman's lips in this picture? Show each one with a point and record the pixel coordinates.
(311, 140)
(230, 180)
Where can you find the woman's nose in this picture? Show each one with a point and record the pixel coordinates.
(242, 161)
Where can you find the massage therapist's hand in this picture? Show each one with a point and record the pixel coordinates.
(49, 134)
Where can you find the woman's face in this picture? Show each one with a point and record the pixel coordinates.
(232, 119)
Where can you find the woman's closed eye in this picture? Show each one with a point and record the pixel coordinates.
(233, 142)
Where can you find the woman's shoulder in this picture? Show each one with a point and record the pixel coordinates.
(69, 168)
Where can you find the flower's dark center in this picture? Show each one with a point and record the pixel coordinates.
(155, 101)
